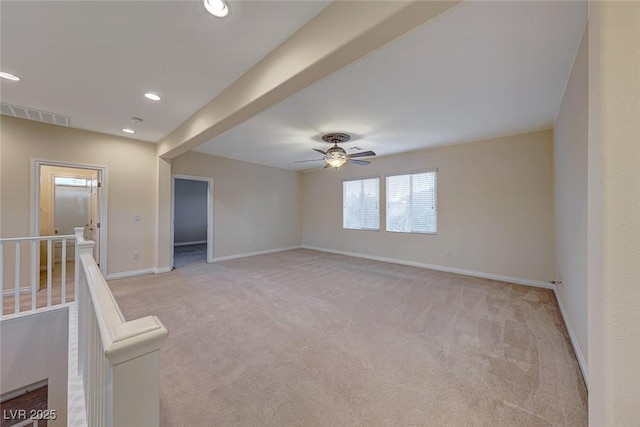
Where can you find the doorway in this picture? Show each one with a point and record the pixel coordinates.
(192, 220)
(68, 196)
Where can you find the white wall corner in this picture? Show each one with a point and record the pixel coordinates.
(582, 361)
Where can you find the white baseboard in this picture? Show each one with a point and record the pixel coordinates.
(199, 242)
(574, 341)
(11, 292)
(141, 272)
(473, 273)
(132, 273)
(268, 251)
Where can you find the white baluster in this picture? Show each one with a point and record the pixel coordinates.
(76, 262)
(34, 273)
(49, 268)
(17, 279)
(63, 266)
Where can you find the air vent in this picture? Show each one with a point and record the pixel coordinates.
(32, 114)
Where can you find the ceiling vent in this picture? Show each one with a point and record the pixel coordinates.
(32, 114)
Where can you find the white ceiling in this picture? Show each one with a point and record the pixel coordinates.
(94, 60)
(480, 70)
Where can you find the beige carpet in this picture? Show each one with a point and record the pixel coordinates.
(305, 338)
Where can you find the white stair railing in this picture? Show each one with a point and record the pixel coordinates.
(26, 270)
(118, 360)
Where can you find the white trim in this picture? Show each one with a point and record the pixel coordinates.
(582, 362)
(40, 310)
(132, 273)
(11, 292)
(141, 272)
(473, 273)
(209, 181)
(199, 242)
(412, 172)
(362, 178)
(248, 254)
(103, 175)
(23, 390)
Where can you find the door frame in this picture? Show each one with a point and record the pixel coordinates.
(35, 202)
(209, 182)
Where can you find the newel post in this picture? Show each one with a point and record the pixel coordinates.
(135, 371)
(82, 247)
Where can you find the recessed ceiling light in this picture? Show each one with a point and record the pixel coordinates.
(128, 130)
(152, 96)
(9, 76)
(217, 8)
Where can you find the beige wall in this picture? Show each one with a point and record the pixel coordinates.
(39, 345)
(495, 208)
(614, 213)
(570, 183)
(256, 207)
(132, 176)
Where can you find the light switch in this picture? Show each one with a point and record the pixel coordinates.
(136, 217)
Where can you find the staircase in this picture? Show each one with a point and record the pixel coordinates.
(101, 369)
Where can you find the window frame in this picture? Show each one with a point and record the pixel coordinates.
(435, 204)
(379, 206)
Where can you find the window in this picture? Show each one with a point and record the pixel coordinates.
(361, 204)
(411, 203)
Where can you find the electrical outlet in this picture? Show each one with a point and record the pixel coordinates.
(136, 255)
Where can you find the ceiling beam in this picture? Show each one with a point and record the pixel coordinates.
(342, 33)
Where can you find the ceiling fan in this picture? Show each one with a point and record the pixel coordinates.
(337, 156)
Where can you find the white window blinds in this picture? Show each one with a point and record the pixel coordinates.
(361, 204)
(411, 203)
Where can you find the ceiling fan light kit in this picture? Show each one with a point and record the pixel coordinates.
(337, 156)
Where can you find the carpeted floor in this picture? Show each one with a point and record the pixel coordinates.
(305, 338)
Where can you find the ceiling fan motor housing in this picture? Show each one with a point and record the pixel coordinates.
(336, 137)
(336, 152)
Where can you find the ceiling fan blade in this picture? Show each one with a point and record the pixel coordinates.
(304, 161)
(320, 151)
(359, 162)
(327, 166)
(362, 154)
